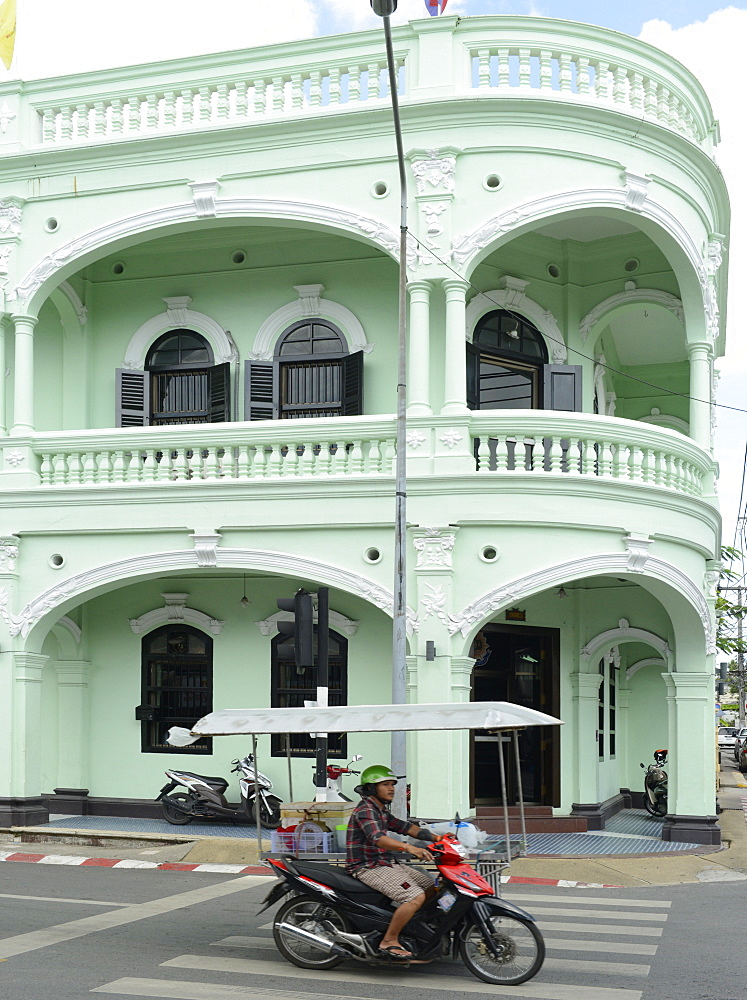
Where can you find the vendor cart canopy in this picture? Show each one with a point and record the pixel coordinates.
(362, 719)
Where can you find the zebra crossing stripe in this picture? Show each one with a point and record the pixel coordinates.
(402, 980)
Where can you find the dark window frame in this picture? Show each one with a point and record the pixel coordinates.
(152, 694)
(288, 695)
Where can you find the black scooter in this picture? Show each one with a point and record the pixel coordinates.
(331, 917)
(656, 785)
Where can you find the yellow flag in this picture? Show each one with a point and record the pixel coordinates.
(7, 31)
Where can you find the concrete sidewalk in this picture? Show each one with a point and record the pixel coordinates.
(620, 869)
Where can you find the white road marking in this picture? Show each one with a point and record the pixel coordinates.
(175, 989)
(402, 979)
(592, 929)
(619, 947)
(33, 940)
(598, 968)
(62, 899)
(240, 941)
(583, 900)
(591, 914)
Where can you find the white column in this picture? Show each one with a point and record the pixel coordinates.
(700, 393)
(692, 755)
(27, 735)
(418, 362)
(455, 361)
(73, 726)
(23, 382)
(4, 323)
(585, 689)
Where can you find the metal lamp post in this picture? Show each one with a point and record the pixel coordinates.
(384, 8)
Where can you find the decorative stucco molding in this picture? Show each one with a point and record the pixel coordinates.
(66, 258)
(607, 641)
(636, 190)
(77, 587)
(178, 314)
(434, 547)
(337, 621)
(9, 547)
(6, 117)
(660, 419)
(309, 304)
(175, 610)
(615, 564)
(511, 294)
(434, 169)
(648, 661)
(11, 215)
(81, 312)
(205, 195)
(206, 547)
(638, 551)
(631, 296)
(711, 263)
(468, 248)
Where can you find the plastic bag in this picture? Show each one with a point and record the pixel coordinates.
(466, 833)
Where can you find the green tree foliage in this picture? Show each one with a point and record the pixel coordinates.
(728, 612)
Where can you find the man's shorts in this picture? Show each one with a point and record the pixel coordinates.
(399, 882)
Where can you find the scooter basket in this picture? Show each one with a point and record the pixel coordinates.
(491, 870)
(302, 843)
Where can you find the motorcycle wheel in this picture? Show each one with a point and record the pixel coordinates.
(309, 915)
(173, 814)
(659, 809)
(521, 947)
(270, 813)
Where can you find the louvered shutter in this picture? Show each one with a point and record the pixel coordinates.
(260, 397)
(473, 376)
(132, 398)
(219, 393)
(561, 388)
(352, 385)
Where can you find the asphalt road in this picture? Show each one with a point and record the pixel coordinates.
(84, 932)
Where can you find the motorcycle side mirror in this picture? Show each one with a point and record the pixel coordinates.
(643, 766)
(358, 756)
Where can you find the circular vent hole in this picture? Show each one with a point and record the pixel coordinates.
(380, 189)
(372, 555)
(118, 268)
(52, 225)
(631, 265)
(492, 182)
(553, 270)
(489, 553)
(238, 256)
(57, 561)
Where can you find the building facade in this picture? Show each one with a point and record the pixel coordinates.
(199, 265)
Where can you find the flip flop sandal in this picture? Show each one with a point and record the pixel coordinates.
(404, 956)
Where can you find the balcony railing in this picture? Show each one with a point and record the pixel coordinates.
(534, 444)
(505, 57)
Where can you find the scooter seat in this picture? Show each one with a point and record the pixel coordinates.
(218, 783)
(337, 878)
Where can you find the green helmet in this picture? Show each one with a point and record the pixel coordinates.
(379, 772)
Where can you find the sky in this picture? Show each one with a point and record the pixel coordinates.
(710, 38)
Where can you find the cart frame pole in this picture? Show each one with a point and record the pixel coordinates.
(520, 787)
(504, 796)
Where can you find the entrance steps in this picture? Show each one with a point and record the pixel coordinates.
(539, 819)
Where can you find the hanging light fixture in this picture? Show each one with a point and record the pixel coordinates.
(561, 593)
(244, 602)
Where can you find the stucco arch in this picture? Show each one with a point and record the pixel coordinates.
(39, 615)
(512, 296)
(631, 296)
(647, 661)
(605, 641)
(681, 597)
(309, 303)
(56, 266)
(630, 203)
(178, 314)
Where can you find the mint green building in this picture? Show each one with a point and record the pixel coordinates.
(198, 310)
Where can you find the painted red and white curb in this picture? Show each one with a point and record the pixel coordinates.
(180, 866)
(171, 866)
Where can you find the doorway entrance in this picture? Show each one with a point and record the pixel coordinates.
(518, 664)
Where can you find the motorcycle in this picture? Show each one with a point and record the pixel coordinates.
(334, 780)
(331, 917)
(656, 785)
(205, 797)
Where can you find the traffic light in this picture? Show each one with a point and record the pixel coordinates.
(299, 631)
(723, 677)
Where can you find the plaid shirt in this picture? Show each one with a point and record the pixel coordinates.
(369, 821)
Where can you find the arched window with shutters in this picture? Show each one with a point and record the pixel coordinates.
(507, 368)
(311, 375)
(180, 384)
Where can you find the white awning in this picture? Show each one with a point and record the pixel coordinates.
(365, 719)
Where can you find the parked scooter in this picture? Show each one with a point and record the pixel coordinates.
(205, 797)
(656, 785)
(331, 917)
(334, 780)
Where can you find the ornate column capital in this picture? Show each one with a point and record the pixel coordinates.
(28, 667)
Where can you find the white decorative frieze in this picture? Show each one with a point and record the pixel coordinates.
(338, 622)
(175, 610)
(11, 213)
(206, 547)
(8, 553)
(450, 438)
(205, 196)
(434, 603)
(14, 457)
(712, 259)
(433, 210)
(434, 547)
(415, 439)
(434, 169)
(177, 309)
(636, 190)
(5, 255)
(6, 117)
(638, 551)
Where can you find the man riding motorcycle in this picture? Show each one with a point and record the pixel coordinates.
(372, 854)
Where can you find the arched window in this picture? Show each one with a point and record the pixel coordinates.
(311, 375)
(177, 685)
(180, 384)
(292, 686)
(507, 368)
